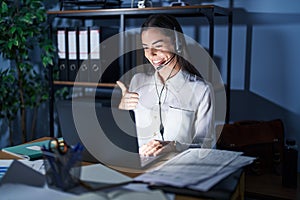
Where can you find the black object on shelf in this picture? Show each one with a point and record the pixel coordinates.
(290, 160)
(87, 4)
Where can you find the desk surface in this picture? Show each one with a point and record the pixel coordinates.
(232, 187)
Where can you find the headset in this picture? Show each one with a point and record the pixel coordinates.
(178, 44)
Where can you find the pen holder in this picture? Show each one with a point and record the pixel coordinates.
(62, 170)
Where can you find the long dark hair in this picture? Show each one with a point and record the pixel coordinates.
(168, 22)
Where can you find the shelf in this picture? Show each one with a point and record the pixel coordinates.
(175, 10)
(84, 84)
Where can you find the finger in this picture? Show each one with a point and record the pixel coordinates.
(131, 97)
(143, 150)
(162, 150)
(168, 147)
(152, 150)
(153, 142)
(127, 105)
(148, 148)
(130, 106)
(159, 151)
(123, 87)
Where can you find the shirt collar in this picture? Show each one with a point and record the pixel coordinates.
(176, 82)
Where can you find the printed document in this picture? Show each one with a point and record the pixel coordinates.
(192, 167)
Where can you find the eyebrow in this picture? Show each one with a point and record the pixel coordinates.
(154, 42)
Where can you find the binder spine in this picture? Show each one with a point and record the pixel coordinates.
(62, 54)
(83, 54)
(94, 52)
(111, 72)
(72, 47)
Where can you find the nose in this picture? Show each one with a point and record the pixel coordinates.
(152, 52)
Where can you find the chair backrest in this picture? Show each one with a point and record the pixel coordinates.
(261, 139)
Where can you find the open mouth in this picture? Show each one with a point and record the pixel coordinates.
(157, 63)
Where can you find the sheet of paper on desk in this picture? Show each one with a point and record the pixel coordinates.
(20, 173)
(190, 167)
(37, 165)
(20, 191)
(223, 173)
(121, 195)
(102, 174)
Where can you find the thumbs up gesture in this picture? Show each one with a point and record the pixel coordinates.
(129, 100)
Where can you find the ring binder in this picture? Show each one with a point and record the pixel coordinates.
(62, 51)
(111, 71)
(72, 58)
(83, 54)
(95, 64)
(80, 53)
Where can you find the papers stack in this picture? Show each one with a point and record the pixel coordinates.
(196, 169)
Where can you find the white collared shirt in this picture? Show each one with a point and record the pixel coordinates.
(186, 105)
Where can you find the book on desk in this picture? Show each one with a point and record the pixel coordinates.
(29, 151)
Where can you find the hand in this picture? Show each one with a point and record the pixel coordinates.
(156, 147)
(129, 100)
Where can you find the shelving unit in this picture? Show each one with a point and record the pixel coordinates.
(122, 14)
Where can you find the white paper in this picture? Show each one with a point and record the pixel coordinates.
(72, 45)
(83, 44)
(94, 43)
(4, 165)
(61, 44)
(122, 195)
(37, 165)
(190, 167)
(142, 187)
(19, 191)
(131, 195)
(102, 174)
(90, 196)
(20, 173)
(223, 173)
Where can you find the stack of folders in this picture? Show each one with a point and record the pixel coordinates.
(79, 52)
(195, 169)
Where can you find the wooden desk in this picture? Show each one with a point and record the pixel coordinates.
(269, 186)
(234, 192)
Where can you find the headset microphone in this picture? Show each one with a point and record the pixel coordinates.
(166, 63)
(160, 67)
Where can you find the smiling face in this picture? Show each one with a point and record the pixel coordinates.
(158, 47)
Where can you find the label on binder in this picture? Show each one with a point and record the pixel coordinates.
(62, 58)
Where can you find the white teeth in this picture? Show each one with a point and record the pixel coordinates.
(157, 62)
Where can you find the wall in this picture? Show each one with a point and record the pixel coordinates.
(265, 62)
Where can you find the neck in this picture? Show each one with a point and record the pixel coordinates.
(169, 71)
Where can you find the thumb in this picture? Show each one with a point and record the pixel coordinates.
(123, 87)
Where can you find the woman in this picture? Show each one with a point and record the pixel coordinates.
(173, 105)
